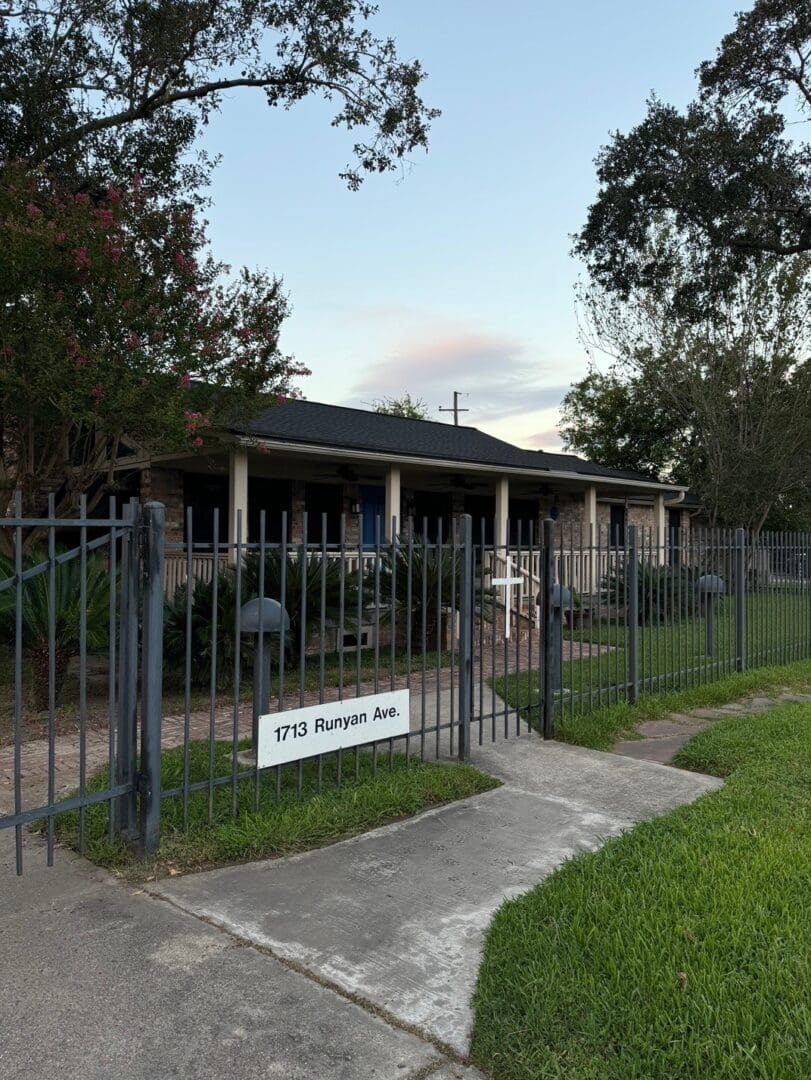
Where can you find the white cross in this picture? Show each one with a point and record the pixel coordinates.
(507, 582)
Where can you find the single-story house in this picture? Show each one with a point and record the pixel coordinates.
(386, 474)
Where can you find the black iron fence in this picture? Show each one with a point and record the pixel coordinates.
(135, 669)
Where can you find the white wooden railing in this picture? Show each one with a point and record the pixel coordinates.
(582, 571)
(175, 569)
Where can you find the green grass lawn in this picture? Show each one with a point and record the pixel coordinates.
(320, 814)
(596, 723)
(681, 949)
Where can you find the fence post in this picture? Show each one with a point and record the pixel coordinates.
(152, 677)
(548, 623)
(466, 638)
(632, 613)
(740, 600)
(126, 810)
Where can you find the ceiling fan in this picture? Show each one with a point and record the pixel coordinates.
(458, 481)
(347, 474)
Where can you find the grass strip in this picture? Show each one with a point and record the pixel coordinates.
(680, 949)
(602, 726)
(295, 823)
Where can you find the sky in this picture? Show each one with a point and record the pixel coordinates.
(454, 273)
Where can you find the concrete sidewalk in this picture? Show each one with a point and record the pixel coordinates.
(100, 981)
(397, 917)
(352, 962)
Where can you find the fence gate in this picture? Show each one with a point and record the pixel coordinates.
(72, 606)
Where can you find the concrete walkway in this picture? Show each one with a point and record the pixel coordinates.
(356, 961)
(396, 918)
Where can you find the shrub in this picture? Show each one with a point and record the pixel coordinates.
(67, 616)
(305, 577)
(663, 592)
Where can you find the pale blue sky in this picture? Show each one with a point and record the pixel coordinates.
(455, 274)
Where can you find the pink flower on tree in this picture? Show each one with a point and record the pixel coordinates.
(133, 341)
(98, 392)
(185, 380)
(81, 258)
(33, 211)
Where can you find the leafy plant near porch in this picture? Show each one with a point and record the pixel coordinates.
(663, 591)
(421, 584)
(306, 581)
(67, 618)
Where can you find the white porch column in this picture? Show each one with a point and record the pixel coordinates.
(237, 496)
(392, 522)
(590, 513)
(502, 511)
(659, 524)
(591, 536)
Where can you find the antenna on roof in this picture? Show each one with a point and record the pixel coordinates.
(455, 409)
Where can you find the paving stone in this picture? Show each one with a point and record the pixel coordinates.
(804, 699)
(658, 750)
(661, 729)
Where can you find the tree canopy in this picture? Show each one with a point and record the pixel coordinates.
(108, 88)
(730, 175)
(730, 390)
(413, 408)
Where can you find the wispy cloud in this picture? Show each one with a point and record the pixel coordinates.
(498, 374)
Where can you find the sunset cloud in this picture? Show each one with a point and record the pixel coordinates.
(497, 373)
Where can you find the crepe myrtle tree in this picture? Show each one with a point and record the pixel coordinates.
(119, 331)
(94, 88)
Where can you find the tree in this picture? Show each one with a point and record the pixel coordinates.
(407, 406)
(734, 384)
(102, 89)
(119, 332)
(615, 419)
(724, 175)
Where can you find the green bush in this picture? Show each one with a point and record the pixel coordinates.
(305, 579)
(663, 592)
(67, 620)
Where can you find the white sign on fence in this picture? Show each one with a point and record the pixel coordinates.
(335, 725)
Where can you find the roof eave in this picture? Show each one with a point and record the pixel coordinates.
(451, 464)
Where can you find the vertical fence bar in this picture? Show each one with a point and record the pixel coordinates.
(212, 702)
(740, 600)
(549, 659)
(112, 621)
(188, 667)
(632, 613)
(52, 679)
(151, 685)
(237, 657)
(128, 666)
(466, 639)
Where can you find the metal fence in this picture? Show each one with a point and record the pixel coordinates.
(132, 692)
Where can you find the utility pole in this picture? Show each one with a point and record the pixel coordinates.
(455, 410)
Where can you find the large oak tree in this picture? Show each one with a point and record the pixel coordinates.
(730, 175)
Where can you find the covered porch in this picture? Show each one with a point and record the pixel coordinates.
(346, 506)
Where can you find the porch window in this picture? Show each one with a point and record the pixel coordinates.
(617, 526)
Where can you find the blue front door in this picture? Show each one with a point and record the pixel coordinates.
(373, 506)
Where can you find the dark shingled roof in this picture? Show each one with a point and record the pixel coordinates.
(316, 424)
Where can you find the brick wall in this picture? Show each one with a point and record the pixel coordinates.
(165, 486)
